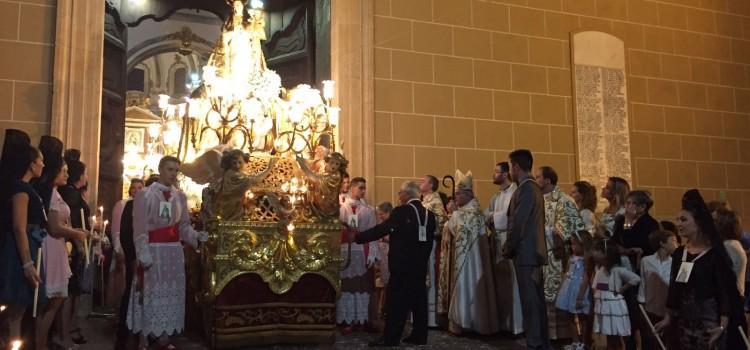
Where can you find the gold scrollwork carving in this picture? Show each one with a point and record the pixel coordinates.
(280, 260)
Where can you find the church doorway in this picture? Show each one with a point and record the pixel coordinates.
(154, 54)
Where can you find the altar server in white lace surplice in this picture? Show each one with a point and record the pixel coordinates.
(160, 223)
(357, 281)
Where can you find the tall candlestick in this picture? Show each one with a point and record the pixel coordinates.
(87, 243)
(39, 273)
(83, 220)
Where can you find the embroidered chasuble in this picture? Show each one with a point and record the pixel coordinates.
(469, 295)
(560, 215)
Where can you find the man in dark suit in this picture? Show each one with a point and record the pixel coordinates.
(128, 248)
(412, 230)
(527, 246)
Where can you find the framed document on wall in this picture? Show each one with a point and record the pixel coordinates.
(600, 103)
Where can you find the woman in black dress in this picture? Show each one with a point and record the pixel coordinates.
(72, 194)
(23, 221)
(702, 288)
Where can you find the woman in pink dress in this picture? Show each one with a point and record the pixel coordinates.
(55, 253)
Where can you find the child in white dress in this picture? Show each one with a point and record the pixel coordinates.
(610, 281)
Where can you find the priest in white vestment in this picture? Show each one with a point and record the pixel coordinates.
(506, 286)
(357, 281)
(471, 287)
(160, 224)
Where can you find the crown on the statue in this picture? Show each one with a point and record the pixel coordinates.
(464, 181)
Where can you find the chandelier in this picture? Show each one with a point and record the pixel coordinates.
(241, 102)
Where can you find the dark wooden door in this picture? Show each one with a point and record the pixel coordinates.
(111, 141)
(299, 34)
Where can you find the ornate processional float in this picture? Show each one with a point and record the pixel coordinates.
(265, 163)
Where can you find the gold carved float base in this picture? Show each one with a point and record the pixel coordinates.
(283, 309)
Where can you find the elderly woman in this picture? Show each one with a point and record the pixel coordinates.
(633, 228)
(702, 289)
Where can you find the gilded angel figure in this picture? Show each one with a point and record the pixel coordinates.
(325, 187)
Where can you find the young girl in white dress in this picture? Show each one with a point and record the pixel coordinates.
(610, 281)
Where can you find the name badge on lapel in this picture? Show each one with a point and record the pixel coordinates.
(422, 227)
(683, 276)
(686, 267)
(165, 210)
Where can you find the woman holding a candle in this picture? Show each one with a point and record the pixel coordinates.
(55, 261)
(23, 219)
(73, 195)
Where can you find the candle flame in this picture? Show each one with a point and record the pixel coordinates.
(17, 344)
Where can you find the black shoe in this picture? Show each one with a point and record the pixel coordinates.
(413, 341)
(77, 337)
(381, 343)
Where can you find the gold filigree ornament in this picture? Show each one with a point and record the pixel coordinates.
(279, 259)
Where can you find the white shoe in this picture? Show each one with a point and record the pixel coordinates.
(575, 346)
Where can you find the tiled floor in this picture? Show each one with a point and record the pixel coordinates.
(100, 333)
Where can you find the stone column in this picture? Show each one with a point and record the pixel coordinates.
(77, 81)
(352, 59)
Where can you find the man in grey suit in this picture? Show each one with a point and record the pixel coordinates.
(527, 246)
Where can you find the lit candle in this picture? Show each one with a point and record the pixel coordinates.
(163, 101)
(101, 212)
(2, 308)
(333, 115)
(328, 89)
(256, 4)
(85, 240)
(83, 220)
(86, 243)
(290, 227)
(17, 344)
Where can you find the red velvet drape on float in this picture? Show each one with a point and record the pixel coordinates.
(247, 312)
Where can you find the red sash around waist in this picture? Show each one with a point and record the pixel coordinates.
(166, 234)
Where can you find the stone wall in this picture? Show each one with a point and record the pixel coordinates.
(460, 83)
(27, 38)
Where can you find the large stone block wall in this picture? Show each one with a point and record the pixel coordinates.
(27, 39)
(460, 83)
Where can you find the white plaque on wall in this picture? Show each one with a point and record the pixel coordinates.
(601, 107)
